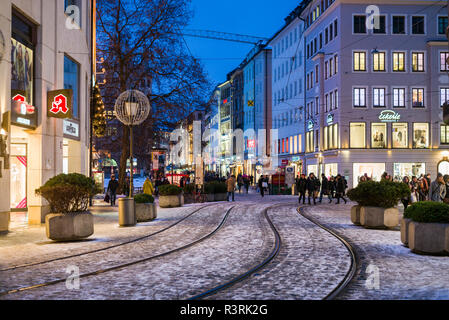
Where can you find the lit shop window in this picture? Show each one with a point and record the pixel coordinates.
(418, 98)
(444, 66)
(310, 143)
(331, 137)
(444, 95)
(400, 135)
(372, 170)
(379, 61)
(444, 134)
(420, 135)
(398, 61)
(418, 62)
(359, 61)
(402, 170)
(378, 97)
(378, 135)
(357, 135)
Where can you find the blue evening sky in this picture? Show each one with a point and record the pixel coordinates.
(249, 17)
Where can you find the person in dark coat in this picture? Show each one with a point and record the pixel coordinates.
(126, 187)
(313, 185)
(301, 185)
(325, 188)
(340, 188)
(331, 186)
(112, 189)
(260, 183)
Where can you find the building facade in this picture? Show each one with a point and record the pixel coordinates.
(42, 50)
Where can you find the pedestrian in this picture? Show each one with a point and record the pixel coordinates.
(148, 187)
(406, 200)
(340, 188)
(438, 189)
(240, 182)
(414, 185)
(313, 185)
(112, 189)
(446, 182)
(181, 182)
(301, 185)
(230, 183)
(126, 187)
(246, 183)
(325, 188)
(260, 184)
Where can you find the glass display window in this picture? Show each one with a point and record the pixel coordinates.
(400, 135)
(378, 135)
(420, 135)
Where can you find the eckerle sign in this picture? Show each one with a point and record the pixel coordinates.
(389, 116)
(59, 103)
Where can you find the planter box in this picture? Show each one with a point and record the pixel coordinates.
(429, 238)
(210, 197)
(405, 223)
(189, 198)
(355, 215)
(70, 226)
(221, 196)
(171, 201)
(376, 217)
(146, 212)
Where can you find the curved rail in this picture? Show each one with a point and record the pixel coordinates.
(121, 266)
(353, 268)
(105, 248)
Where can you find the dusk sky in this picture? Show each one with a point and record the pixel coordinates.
(249, 17)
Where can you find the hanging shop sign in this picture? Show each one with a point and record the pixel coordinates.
(310, 125)
(389, 116)
(59, 103)
(330, 118)
(22, 113)
(71, 129)
(251, 144)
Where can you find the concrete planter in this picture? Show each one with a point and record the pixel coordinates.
(146, 212)
(355, 215)
(171, 201)
(405, 223)
(70, 226)
(428, 238)
(210, 197)
(376, 217)
(221, 196)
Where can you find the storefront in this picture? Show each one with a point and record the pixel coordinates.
(401, 170)
(372, 170)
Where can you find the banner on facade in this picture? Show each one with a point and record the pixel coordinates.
(59, 103)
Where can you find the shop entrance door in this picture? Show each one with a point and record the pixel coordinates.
(443, 167)
(19, 177)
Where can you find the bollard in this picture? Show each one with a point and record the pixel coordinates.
(126, 212)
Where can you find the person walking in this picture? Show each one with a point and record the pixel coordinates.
(332, 187)
(446, 182)
(260, 184)
(313, 185)
(246, 183)
(240, 182)
(406, 200)
(301, 185)
(325, 188)
(148, 187)
(340, 188)
(438, 189)
(112, 190)
(230, 183)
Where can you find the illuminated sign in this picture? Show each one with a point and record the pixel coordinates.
(310, 125)
(71, 129)
(330, 118)
(22, 113)
(389, 116)
(225, 101)
(59, 103)
(251, 144)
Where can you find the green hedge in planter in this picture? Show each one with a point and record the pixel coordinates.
(215, 187)
(384, 194)
(189, 188)
(428, 212)
(143, 198)
(169, 190)
(68, 193)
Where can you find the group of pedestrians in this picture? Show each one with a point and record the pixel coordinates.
(333, 188)
(244, 180)
(422, 188)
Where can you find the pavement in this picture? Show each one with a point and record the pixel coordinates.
(310, 264)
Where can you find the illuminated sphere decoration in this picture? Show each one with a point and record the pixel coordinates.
(132, 107)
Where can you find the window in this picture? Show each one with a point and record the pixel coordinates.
(317, 105)
(398, 98)
(382, 26)
(444, 56)
(357, 135)
(359, 61)
(326, 99)
(335, 29)
(326, 70)
(360, 97)
(398, 61)
(444, 95)
(326, 36)
(398, 25)
(330, 137)
(418, 98)
(71, 81)
(417, 61)
(331, 97)
(400, 135)
(359, 24)
(316, 74)
(331, 32)
(378, 97)
(420, 135)
(379, 61)
(321, 40)
(417, 25)
(442, 25)
(331, 67)
(378, 135)
(444, 134)
(336, 99)
(310, 142)
(336, 64)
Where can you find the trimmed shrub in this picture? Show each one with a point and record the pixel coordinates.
(169, 190)
(189, 188)
(143, 198)
(209, 188)
(68, 193)
(215, 187)
(384, 194)
(428, 211)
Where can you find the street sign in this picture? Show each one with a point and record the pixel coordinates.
(290, 176)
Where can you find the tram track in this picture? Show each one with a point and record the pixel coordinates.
(131, 263)
(25, 265)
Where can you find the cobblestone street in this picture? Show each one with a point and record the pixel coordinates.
(191, 250)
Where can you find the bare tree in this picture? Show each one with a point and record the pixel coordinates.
(142, 48)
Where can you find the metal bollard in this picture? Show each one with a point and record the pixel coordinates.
(126, 212)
